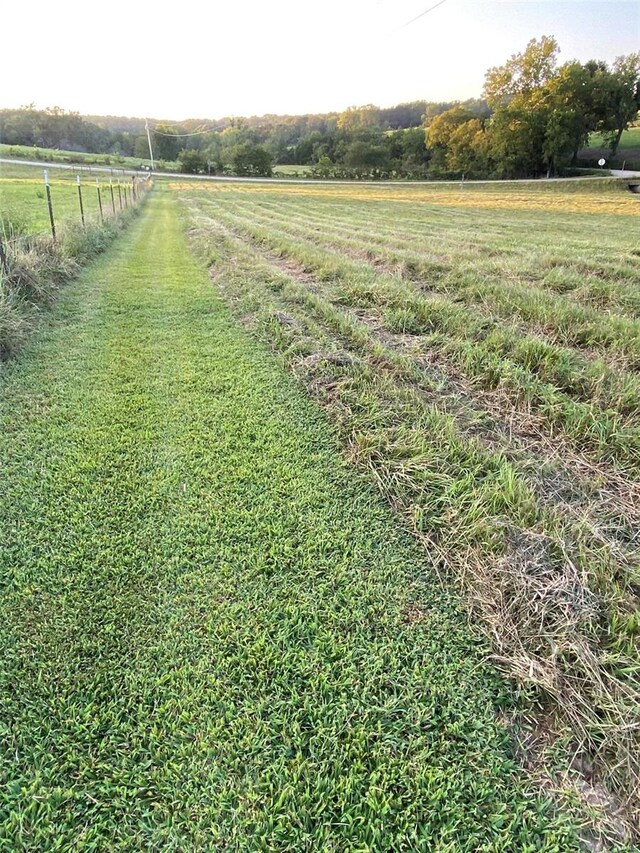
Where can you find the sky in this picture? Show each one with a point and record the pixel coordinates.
(215, 59)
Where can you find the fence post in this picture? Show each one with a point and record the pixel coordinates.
(3, 258)
(113, 200)
(51, 219)
(80, 200)
(99, 201)
(119, 194)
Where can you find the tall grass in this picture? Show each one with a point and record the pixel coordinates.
(38, 265)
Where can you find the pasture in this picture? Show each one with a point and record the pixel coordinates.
(23, 201)
(295, 475)
(291, 171)
(629, 141)
(72, 158)
(478, 349)
(221, 637)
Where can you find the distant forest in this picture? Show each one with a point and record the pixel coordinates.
(533, 118)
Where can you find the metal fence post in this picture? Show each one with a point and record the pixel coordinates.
(99, 201)
(80, 200)
(50, 205)
(4, 262)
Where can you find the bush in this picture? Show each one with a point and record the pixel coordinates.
(192, 162)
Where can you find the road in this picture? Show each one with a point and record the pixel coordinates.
(77, 167)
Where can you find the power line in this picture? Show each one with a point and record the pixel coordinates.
(422, 14)
(193, 133)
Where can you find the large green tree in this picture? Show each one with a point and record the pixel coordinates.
(516, 92)
(522, 74)
(251, 160)
(619, 98)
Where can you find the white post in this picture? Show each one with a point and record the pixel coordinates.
(146, 127)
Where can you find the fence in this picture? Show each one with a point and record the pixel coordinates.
(97, 200)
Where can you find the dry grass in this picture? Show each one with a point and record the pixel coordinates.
(528, 501)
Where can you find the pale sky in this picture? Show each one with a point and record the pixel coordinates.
(212, 59)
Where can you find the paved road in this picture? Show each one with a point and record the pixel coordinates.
(76, 167)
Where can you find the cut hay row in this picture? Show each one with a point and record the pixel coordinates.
(511, 454)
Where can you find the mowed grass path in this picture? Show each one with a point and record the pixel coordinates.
(213, 634)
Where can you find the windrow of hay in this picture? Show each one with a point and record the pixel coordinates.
(532, 522)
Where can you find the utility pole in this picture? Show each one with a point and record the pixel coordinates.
(146, 127)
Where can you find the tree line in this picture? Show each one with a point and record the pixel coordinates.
(540, 115)
(533, 118)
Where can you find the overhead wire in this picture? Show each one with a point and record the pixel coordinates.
(192, 133)
(422, 14)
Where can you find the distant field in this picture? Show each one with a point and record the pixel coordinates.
(291, 171)
(478, 350)
(628, 152)
(55, 155)
(630, 140)
(23, 200)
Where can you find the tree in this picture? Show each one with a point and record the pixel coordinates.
(364, 158)
(619, 99)
(413, 154)
(571, 115)
(518, 95)
(522, 74)
(141, 147)
(469, 148)
(251, 160)
(166, 142)
(324, 168)
(443, 126)
(192, 161)
(359, 118)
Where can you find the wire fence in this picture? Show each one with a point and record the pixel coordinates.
(89, 199)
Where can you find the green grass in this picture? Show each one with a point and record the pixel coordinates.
(629, 141)
(291, 171)
(23, 201)
(213, 634)
(55, 155)
(36, 265)
(477, 351)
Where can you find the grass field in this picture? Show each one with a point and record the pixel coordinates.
(23, 202)
(214, 634)
(478, 350)
(55, 155)
(628, 153)
(630, 140)
(289, 171)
